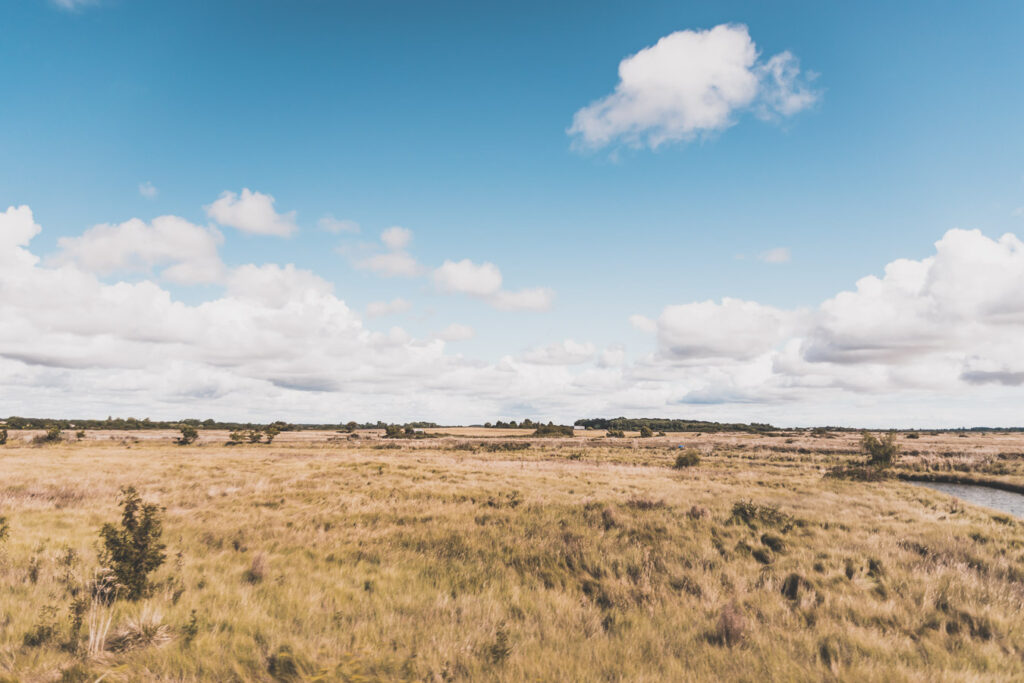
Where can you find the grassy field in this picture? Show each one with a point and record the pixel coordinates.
(484, 555)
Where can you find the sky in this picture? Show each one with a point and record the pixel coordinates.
(786, 212)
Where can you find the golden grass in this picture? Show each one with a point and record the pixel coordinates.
(575, 559)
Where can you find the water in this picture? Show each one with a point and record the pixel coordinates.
(995, 499)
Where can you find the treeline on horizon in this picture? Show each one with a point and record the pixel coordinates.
(662, 424)
(656, 424)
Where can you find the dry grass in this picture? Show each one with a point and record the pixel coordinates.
(575, 559)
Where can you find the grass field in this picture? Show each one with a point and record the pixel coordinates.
(473, 557)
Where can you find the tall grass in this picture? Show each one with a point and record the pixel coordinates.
(430, 562)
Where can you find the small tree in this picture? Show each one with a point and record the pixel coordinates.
(881, 452)
(272, 431)
(133, 550)
(188, 435)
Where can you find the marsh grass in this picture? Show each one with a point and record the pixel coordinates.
(425, 561)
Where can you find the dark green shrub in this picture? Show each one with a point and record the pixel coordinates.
(133, 550)
(3, 437)
(881, 452)
(188, 435)
(645, 432)
(688, 458)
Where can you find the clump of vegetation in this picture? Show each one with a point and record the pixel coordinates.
(133, 550)
(858, 473)
(188, 435)
(553, 430)
(51, 435)
(646, 432)
(731, 627)
(749, 513)
(688, 458)
(881, 452)
(258, 569)
(3, 437)
(615, 434)
(913, 435)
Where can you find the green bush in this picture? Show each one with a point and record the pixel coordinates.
(881, 452)
(133, 550)
(188, 435)
(645, 432)
(52, 435)
(688, 458)
(3, 437)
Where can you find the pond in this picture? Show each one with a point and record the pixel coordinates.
(995, 499)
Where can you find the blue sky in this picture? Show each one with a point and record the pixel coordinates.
(452, 120)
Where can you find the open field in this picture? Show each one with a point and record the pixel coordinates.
(488, 555)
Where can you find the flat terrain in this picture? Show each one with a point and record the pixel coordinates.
(488, 555)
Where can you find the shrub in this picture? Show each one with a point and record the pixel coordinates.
(52, 435)
(688, 458)
(188, 435)
(3, 437)
(645, 432)
(749, 513)
(616, 434)
(133, 550)
(5, 530)
(882, 452)
(913, 435)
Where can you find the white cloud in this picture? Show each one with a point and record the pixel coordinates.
(567, 352)
(376, 309)
(934, 341)
(776, 255)
(456, 332)
(336, 226)
(732, 329)
(396, 237)
(689, 83)
(467, 277)
(484, 280)
(148, 190)
(391, 264)
(17, 228)
(251, 212)
(187, 252)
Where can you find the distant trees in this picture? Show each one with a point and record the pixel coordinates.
(551, 429)
(658, 424)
